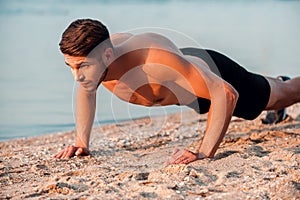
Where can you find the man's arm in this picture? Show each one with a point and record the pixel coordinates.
(85, 113)
(223, 99)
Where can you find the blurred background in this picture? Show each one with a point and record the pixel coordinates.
(37, 88)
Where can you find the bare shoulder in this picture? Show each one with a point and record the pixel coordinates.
(151, 40)
(129, 41)
(118, 38)
(158, 40)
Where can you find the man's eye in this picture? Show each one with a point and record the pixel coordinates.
(82, 66)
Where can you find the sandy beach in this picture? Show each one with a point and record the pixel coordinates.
(254, 161)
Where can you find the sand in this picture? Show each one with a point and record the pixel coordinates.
(254, 161)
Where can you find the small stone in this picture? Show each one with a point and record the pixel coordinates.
(92, 182)
(193, 173)
(181, 184)
(148, 194)
(141, 176)
(187, 178)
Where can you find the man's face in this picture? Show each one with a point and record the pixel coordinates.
(86, 71)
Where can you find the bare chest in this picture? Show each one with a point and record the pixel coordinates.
(142, 93)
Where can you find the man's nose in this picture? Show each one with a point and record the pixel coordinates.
(77, 75)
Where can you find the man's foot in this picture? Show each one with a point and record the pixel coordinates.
(276, 116)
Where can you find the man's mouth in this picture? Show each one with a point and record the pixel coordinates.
(84, 84)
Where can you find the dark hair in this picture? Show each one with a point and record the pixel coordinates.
(82, 36)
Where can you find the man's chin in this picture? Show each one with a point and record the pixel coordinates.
(90, 89)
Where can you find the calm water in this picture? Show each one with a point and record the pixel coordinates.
(37, 89)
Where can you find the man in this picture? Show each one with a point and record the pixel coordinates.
(148, 69)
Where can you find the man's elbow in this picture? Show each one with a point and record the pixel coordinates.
(232, 94)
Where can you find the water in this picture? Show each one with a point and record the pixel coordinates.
(37, 89)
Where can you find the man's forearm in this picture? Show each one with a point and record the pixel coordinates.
(218, 120)
(85, 113)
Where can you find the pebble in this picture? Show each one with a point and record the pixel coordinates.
(141, 176)
(181, 184)
(187, 178)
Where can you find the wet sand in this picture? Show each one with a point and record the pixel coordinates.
(254, 161)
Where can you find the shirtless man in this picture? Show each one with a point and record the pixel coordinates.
(148, 69)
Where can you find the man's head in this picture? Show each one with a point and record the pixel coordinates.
(82, 36)
(88, 51)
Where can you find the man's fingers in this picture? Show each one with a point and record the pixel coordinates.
(183, 160)
(67, 152)
(179, 160)
(58, 155)
(62, 153)
(177, 154)
(182, 156)
(70, 152)
(79, 151)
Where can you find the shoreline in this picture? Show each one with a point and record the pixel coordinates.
(254, 161)
(102, 123)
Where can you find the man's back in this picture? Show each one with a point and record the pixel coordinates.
(149, 69)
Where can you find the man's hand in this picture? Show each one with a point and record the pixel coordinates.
(183, 156)
(70, 151)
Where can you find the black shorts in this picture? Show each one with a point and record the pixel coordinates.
(254, 90)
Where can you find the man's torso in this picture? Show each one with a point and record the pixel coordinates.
(150, 70)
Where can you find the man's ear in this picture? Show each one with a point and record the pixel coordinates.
(107, 56)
